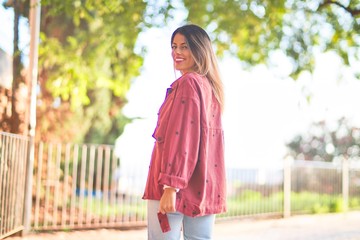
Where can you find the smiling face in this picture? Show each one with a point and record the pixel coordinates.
(183, 59)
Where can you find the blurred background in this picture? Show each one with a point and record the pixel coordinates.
(290, 70)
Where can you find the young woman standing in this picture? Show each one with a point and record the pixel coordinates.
(186, 180)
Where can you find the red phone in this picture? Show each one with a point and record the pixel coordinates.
(164, 222)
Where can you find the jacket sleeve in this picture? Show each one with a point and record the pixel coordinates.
(182, 137)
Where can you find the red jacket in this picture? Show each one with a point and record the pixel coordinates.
(189, 148)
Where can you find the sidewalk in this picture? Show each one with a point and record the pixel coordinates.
(341, 226)
(307, 227)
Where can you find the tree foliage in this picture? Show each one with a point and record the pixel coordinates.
(252, 29)
(324, 142)
(87, 61)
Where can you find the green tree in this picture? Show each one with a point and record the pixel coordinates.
(253, 29)
(87, 60)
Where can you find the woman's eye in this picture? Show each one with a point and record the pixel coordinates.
(182, 48)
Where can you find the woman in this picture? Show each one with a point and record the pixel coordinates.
(186, 179)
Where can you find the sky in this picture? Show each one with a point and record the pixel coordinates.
(264, 108)
(6, 30)
(6, 39)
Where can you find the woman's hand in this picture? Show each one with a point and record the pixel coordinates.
(167, 201)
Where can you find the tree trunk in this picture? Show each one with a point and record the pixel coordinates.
(15, 115)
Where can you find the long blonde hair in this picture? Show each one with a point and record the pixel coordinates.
(205, 59)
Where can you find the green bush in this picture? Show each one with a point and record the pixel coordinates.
(354, 203)
(250, 195)
(319, 208)
(336, 205)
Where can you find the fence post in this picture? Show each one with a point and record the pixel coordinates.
(345, 183)
(34, 15)
(287, 188)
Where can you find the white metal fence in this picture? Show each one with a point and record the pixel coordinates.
(325, 187)
(77, 186)
(86, 186)
(13, 158)
(83, 186)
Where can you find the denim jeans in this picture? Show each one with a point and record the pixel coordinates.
(194, 228)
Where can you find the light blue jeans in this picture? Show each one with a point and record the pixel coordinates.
(198, 228)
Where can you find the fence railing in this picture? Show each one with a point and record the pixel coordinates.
(86, 186)
(254, 192)
(13, 158)
(77, 186)
(325, 187)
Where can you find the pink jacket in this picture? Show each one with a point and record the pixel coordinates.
(189, 148)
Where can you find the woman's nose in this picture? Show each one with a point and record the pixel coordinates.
(177, 50)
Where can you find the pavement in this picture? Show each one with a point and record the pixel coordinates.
(337, 226)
